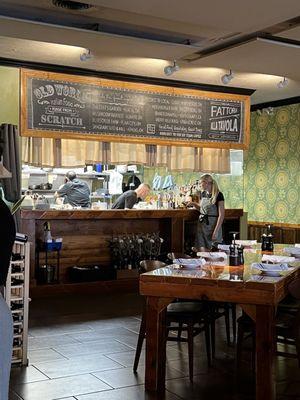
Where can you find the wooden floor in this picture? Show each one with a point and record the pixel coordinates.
(83, 348)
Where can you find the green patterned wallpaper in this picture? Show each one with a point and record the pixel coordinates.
(272, 167)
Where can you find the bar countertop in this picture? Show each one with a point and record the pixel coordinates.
(186, 214)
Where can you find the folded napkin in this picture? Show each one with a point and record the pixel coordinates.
(297, 244)
(212, 255)
(277, 259)
(190, 262)
(224, 247)
(270, 267)
(292, 251)
(246, 242)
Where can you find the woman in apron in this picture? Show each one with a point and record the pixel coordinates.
(211, 207)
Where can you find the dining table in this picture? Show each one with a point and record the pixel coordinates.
(257, 293)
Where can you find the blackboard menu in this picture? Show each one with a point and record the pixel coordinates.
(103, 112)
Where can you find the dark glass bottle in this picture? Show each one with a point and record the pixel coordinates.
(267, 242)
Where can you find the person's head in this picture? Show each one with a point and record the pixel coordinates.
(70, 176)
(208, 184)
(143, 190)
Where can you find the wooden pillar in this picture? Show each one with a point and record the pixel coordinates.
(265, 353)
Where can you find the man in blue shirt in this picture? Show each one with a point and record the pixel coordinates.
(75, 192)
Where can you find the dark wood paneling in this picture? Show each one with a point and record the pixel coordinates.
(89, 288)
(86, 234)
(289, 234)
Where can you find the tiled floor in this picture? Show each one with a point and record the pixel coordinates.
(83, 347)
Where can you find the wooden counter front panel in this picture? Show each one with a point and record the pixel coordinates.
(86, 234)
(86, 242)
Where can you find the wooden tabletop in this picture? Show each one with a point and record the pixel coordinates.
(221, 282)
(257, 293)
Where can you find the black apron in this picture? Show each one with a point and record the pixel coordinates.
(207, 221)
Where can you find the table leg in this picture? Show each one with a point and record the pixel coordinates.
(155, 344)
(265, 353)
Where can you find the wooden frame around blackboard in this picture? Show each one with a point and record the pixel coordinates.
(142, 87)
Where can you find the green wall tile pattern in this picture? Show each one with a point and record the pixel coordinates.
(272, 167)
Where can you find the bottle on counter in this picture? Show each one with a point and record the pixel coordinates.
(234, 259)
(47, 232)
(267, 240)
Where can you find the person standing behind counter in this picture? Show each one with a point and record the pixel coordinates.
(130, 198)
(75, 192)
(212, 211)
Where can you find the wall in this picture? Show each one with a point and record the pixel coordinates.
(272, 167)
(9, 100)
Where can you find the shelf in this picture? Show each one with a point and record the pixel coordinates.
(17, 295)
(17, 262)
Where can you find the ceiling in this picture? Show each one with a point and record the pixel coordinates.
(142, 37)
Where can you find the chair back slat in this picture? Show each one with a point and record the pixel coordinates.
(173, 256)
(151, 265)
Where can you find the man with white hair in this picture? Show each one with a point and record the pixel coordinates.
(131, 197)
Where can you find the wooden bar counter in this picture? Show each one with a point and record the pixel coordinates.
(86, 233)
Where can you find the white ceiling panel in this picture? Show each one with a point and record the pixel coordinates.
(291, 34)
(256, 65)
(256, 56)
(97, 42)
(234, 15)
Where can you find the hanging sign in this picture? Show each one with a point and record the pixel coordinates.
(69, 106)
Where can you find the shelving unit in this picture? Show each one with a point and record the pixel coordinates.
(17, 298)
(46, 275)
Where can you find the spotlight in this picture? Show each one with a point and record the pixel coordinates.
(227, 77)
(283, 83)
(86, 55)
(170, 69)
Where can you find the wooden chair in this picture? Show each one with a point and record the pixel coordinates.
(173, 256)
(192, 317)
(287, 325)
(218, 310)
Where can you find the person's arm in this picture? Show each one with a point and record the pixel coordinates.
(221, 211)
(194, 204)
(62, 191)
(130, 201)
